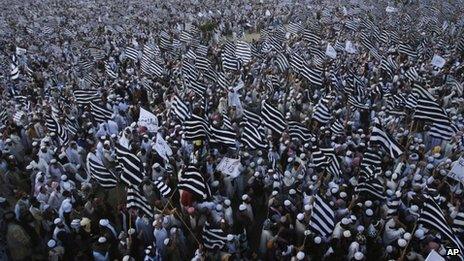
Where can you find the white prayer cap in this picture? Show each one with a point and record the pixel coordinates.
(414, 208)
(57, 221)
(274, 192)
(131, 231)
(156, 165)
(287, 203)
(290, 159)
(218, 207)
(64, 177)
(389, 249)
(67, 207)
(345, 221)
(300, 255)
(245, 197)
(343, 194)
(300, 216)
(166, 241)
(292, 192)
(368, 203)
(227, 202)
(407, 236)
(102, 137)
(2, 200)
(101, 240)
(230, 237)
(360, 228)
(358, 256)
(242, 207)
(53, 161)
(402, 243)
(51, 243)
(419, 233)
(307, 207)
(347, 233)
(317, 240)
(369, 212)
(103, 222)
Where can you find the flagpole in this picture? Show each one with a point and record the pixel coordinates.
(409, 241)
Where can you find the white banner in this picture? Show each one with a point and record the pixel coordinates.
(438, 61)
(434, 256)
(330, 51)
(229, 167)
(148, 120)
(457, 171)
(349, 47)
(162, 147)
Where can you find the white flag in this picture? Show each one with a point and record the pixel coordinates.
(349, 47)
(162, 147)
(438, 61)
(434, 256)
(148, 120)
(330, 51)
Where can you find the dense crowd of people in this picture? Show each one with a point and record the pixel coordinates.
(344, 124)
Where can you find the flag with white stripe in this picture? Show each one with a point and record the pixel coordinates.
(191, 180)
(322, 220)
(100, 113)
(272, 118)
(386, 141)
(135, 199)
(132, 167)
(104, 177)
(213, 237)
(252, 137)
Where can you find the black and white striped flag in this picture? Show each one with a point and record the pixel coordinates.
(180, 109)
(386, 141)
(100, 113)
(299, 132)
(222, 136)
(213, 237)
(337, 128)
(104, 177)
(132, 53)
(14, 66)
(191, 180)
(432, 217)
(322, 220)
(135, 199)
(163, 189)
(282, 62)
(84, 97)
(243, 51)
(373, 187)
(132, 168)
(252, 137)
(272, 118)
(196, 128)
(322, 112)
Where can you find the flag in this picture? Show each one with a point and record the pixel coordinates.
(213, 237)
(321, 112)
(224, 137)
(337, 128)
(132, 167)
(148, 120)
(135, 199)
(243, 51)
(163, 189)
(252, 137)
(312, 74)
(272, 118)
(180, 109)
(322, 220)
(54, 126)
(196, 128)
(14, 73)
(100, 113)
(132, 53)
(104, 177)
(84, 97)
(299, 132)
(386, 141)
(371, 186)
(432, 217)
(191, 180)
(282, 62)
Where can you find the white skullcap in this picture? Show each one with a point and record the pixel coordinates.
(245, 197)
(274, 192)
(67, 207)
(407, 236)
(343, 194)
(414, 208)
(368, 203)
(347, 233)
(287, 203)
(103, 222)
(101, 240)
(227, 202)
(166, 241)
(389, 249)
(53, 161)
(57, 221)
(64, 177)
(300, 216)
(300, 255)
(419, 233)
(292, 192)
(369, 212)
(51, 243)
(360, 228)
(345, 221)
(156, 165)
(230, 237)
(219, 207)
(131, 231)
(317, 240)
(402, 242)
(307, 207)
(242, 207)
(358, 256)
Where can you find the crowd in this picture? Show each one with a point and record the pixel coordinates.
(231, 130)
